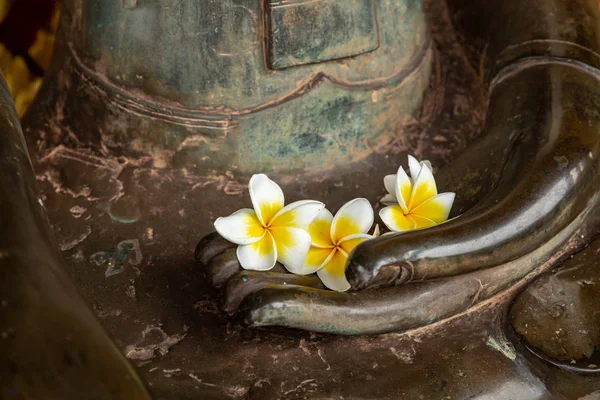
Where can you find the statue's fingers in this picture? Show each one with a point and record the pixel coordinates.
(245, 283)
(222, 267)
(210, 246)
(472, 242)
(295, 307)
(390, 309)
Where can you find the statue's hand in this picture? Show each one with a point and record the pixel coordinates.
(277, 297)
(218, 257)
(280, 298)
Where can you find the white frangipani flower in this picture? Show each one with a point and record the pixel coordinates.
(413, 202)
(270, 232)
(334, 238)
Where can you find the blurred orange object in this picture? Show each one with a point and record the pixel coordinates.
(27, 31)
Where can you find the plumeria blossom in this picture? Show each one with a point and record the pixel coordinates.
(413, 202)
(334, 238)
(270, 232)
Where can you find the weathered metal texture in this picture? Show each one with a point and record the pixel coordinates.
(200, 85)
(303, 32)
(128, 227)
(51, 344)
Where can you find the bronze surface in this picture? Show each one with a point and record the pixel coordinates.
(127, 208)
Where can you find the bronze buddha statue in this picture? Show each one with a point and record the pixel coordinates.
(154, 115)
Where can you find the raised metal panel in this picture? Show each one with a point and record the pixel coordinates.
(310, 31)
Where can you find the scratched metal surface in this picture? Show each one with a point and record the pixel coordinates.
(127, 228)
(211, 97)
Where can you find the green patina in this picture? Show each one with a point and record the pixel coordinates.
(261, 83)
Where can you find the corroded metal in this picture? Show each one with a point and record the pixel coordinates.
(214, 81)
(119, 143)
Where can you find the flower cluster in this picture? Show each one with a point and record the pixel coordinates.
(306, 238)
(413, 202)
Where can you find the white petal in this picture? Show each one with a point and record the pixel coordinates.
(423, 189)
(350, 242)
(403, 189)
(389, 181)
(436, 208)
(393, 217)
(333, 273)
(267, 197)
(389, 200)
(316, 259)
(241, 227)
(259, 256)
(428, 163)
(292, 247)
(414, 166)
(356, 216)
(320, 230)
(298, 214)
